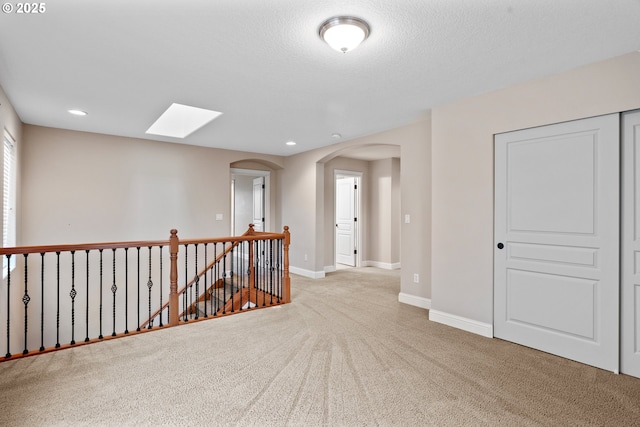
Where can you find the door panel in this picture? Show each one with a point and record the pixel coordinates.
(630, 302)
(557, 217)
(528, 291)
(345, 224)
(258, 204)
(543, 184)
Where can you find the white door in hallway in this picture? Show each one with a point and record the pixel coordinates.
(258, 204)
(630, 301)
(556, 249)
(346, 220)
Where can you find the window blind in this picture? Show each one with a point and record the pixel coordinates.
(8, 196)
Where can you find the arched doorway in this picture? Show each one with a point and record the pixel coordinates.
(376, 202)
(252, 195)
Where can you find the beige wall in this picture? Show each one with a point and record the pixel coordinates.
(396, 212)
(85, 187)
(462, 279)
(384, 208)
(303, 210)
(303, 188)
(416, 201)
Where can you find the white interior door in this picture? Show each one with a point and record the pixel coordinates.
(556, 272)
(345, 221)
(258, 204)
(630, 301)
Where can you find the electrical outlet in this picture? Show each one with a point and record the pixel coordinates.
(416, 278)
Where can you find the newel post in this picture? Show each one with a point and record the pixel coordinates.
(174, 310)
(286, 281)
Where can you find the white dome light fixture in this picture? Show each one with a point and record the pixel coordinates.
(344, 33)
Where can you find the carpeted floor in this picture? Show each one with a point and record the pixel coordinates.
(343, 353)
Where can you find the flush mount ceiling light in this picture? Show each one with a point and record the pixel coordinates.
(344, 33)
(180, 121)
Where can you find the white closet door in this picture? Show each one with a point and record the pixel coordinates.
(630, 302)
(556, 272)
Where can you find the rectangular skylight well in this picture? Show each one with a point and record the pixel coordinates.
(180, 121)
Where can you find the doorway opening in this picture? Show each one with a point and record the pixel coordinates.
(347, 226)
(249, 200)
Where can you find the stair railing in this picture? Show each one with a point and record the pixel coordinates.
(67, 295)
(201, 274)
(256, 261)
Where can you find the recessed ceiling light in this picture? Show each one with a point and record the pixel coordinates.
(77, 112)
(180, 121)
(336, 135)
(291, 143)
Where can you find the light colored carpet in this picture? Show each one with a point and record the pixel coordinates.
(343, 353)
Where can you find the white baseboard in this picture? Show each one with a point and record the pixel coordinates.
(469, 325)
(307, 273)
(415, 301)
(382, 265)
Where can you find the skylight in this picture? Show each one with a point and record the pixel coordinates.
(180, 121)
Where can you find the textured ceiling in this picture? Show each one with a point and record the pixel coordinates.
(263, 65)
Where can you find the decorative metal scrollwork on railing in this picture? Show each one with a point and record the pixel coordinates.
(239, 273)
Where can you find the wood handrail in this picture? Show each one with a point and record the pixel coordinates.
(19, 250)
(249, 235)
(259, 235)
(81, 247)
